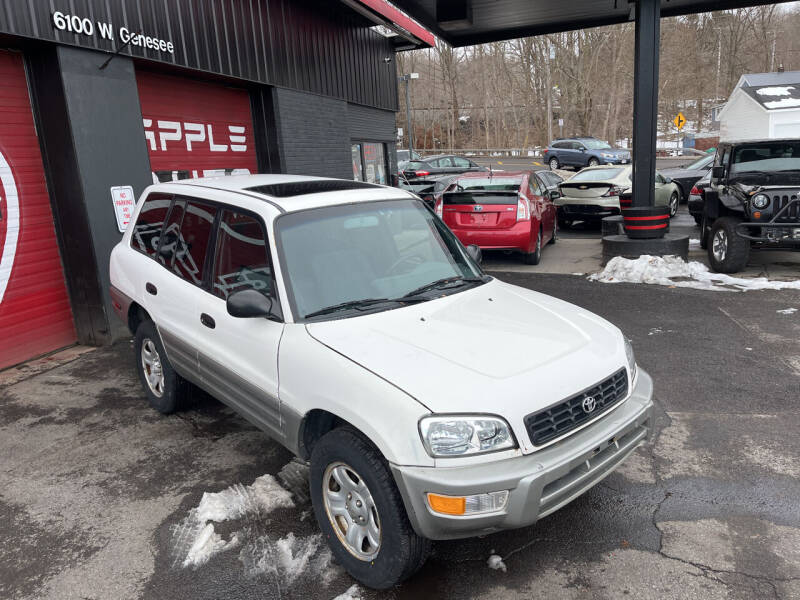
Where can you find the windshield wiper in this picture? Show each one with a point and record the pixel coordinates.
(364, 302)
(459, 279)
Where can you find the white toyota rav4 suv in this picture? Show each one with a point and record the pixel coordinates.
(345, 320)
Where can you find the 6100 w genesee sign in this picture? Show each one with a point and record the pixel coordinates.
(85, 26)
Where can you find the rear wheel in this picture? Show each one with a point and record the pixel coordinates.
(674, 200)
(727, 252)
(165, 389)
(593, 162)
(554, 164)
(698, 219)
(361, 513)
(564, 223)
(533, 258)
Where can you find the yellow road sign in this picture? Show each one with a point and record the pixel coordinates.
(679, 121)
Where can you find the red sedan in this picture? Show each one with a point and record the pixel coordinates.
(509, 210)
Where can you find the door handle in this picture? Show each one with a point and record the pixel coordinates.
(208, 321)
(151, 289)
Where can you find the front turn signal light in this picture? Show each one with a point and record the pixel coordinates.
(468, 505)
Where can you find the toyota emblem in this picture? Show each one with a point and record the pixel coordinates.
(477, 208)
(589, 404)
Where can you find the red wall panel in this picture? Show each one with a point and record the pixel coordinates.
(195, 126)
(35, 315)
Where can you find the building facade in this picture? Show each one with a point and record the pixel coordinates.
(100, 98)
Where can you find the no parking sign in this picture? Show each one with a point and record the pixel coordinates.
(124, 203)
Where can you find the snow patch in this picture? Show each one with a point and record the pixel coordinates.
(194, 540)
(496, 562)
(351, 593)
(783, 103)
(786, 311)
(694, 244)
(775, 91)
(674, 271)
(288, 558)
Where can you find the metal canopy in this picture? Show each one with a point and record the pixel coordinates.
(466, 22)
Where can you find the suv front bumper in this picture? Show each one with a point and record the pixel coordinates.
(539, 483)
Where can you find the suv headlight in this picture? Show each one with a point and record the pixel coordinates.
(607, 155)
(631, 359)
(760, 201)
(461, 435)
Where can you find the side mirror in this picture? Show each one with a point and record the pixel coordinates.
(247, 304)
(475, 253)
(555, 194)
(667, 179)
(717, 172)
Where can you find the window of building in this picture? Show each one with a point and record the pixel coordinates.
(242, 257)
(369, 162)
(191, 246)
(148, 226)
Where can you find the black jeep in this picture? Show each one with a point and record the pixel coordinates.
(751, 201)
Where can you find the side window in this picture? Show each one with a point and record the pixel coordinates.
(461, 162)
(533, 184)
(445, 162)
(151, 218)
(171, 233)
(659, 177)
(192, 244)
(577, 146)
(242, 257)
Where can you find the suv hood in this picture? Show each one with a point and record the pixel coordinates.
(497, 349)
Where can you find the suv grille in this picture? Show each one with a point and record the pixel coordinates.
(791, 215)
(557, 420)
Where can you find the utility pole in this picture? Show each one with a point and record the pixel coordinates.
(549, 86)
(407, 78)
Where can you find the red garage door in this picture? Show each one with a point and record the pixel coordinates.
(35, 315)
(195, 129)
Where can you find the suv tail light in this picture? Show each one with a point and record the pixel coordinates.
(696, 191)
(438, 207)
(614, 190)
(523, 209)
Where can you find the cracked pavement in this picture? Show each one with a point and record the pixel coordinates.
(93, 482)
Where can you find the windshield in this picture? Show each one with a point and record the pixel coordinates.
(596, 145)
(370, 251)
(596, 175)
(777, 156)
(702, 163)
(505, 184)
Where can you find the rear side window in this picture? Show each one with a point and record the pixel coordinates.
(461, 162)
(171, 234)
(192, 245)
(242, 258)
(148, 226)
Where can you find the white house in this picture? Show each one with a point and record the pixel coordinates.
(762, 105)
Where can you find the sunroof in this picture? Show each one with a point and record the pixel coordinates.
(312, 186)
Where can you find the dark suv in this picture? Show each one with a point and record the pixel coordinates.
(583, 152)
(751, 201)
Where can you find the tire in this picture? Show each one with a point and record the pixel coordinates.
(167, 392)
(704, 232)
(727, 252)
(593, 162)
(674, 202)
(553, 163)
(534, 257)
(698, 219)
(564, 223)
(554, 239)
(400, 551)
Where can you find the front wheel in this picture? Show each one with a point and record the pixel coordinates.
(727, 252)
(533, 258)
(553, 163)
(361, 513)
(674, 200)
(593, 162)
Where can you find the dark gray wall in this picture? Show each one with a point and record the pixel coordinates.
(317, 46)
(312, 133)
(90, 128)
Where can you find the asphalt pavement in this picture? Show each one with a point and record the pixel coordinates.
(98, 493)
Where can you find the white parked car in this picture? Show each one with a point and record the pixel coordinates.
(346, 321)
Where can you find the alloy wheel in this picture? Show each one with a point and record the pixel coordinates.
(351, 510)
(673, 204)
(151, 365)
(553, 164)
(719, 245)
